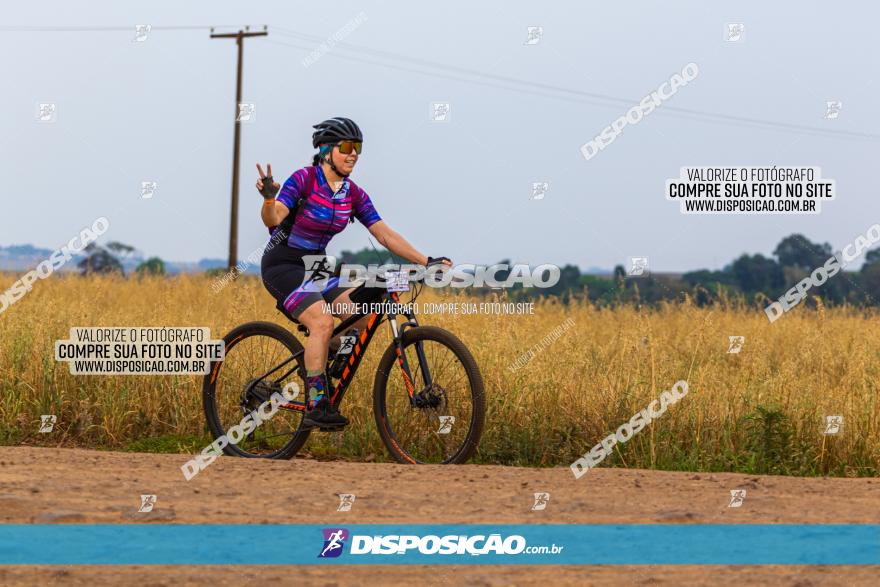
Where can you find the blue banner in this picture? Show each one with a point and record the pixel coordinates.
(649, 544)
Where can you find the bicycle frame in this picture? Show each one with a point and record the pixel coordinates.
(354, 359)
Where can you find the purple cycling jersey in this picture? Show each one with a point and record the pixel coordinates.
(324, 213)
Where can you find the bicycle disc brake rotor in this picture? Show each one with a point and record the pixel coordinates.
(432, 396)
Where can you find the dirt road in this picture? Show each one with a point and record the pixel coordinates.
(39, 485)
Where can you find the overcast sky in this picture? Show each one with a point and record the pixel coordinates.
(160, 110)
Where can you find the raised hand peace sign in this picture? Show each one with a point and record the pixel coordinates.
(266, 185)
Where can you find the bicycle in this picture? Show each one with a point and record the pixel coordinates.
(423, 421)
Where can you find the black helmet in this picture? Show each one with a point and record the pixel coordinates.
(335, 130)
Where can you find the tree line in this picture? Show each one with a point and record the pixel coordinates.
(748, 277)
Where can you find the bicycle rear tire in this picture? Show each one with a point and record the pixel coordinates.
(209, 399)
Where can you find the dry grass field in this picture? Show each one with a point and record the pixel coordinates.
(761, 410)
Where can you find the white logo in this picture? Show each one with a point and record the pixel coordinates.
(833, 424)
(319, 270)
(396, 281)
(735, 32)
(47, 422)
(440, 111)
(327, 45)
(247, 112)
(47, 112)
(832, 109)
(240, 431)
(291, 391)
(635, 114)
(737, 496)
(335, 542)
(57, 260)
(140, 32)
(627, 430)
(736, 344)
(442, 545)
(540, 189)
(346, 500)
(439, 275)
(147, 503)
(534, 35)
(541, 500)
(147, 189)
(823, 273)
(446, 423)
(347, 344)
(638, 266)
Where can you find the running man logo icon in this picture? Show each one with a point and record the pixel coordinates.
(735, 344)
(318, 273)
(334, 541)
(541, 500)
(147, 503)
(540, 189)
(440, 112)
(737, 497)
(247, 112)
(396, 281)
(347, 345)
(638, 266)
(534, 35)
(446, 423)
(140, 32)
(47, 112)
(147, 189)
(47, 423)
(833, 424)
(832, 109)
(346, 501)
(735, 31)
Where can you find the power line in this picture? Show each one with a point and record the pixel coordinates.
(484, 79)
(79, 29)
(588, 97)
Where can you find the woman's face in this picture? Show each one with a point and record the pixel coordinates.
(344, 163)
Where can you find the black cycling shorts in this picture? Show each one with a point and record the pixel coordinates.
(284, 272)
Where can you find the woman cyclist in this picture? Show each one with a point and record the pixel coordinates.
(313, 205)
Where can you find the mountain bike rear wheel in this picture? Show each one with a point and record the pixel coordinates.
(261, 358)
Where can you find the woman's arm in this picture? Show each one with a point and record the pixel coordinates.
(273, 213)
(395, 243)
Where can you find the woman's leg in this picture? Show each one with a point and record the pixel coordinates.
(320, 324)
(286, 283)
(343, 308)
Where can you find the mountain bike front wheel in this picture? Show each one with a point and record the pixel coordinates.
(437, 416)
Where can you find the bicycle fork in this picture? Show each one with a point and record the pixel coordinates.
(397, 331)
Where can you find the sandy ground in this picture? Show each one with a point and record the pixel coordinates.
(40, 485)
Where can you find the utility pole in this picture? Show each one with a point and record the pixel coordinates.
(233, 222)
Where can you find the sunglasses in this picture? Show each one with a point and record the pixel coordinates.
(346, 147)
